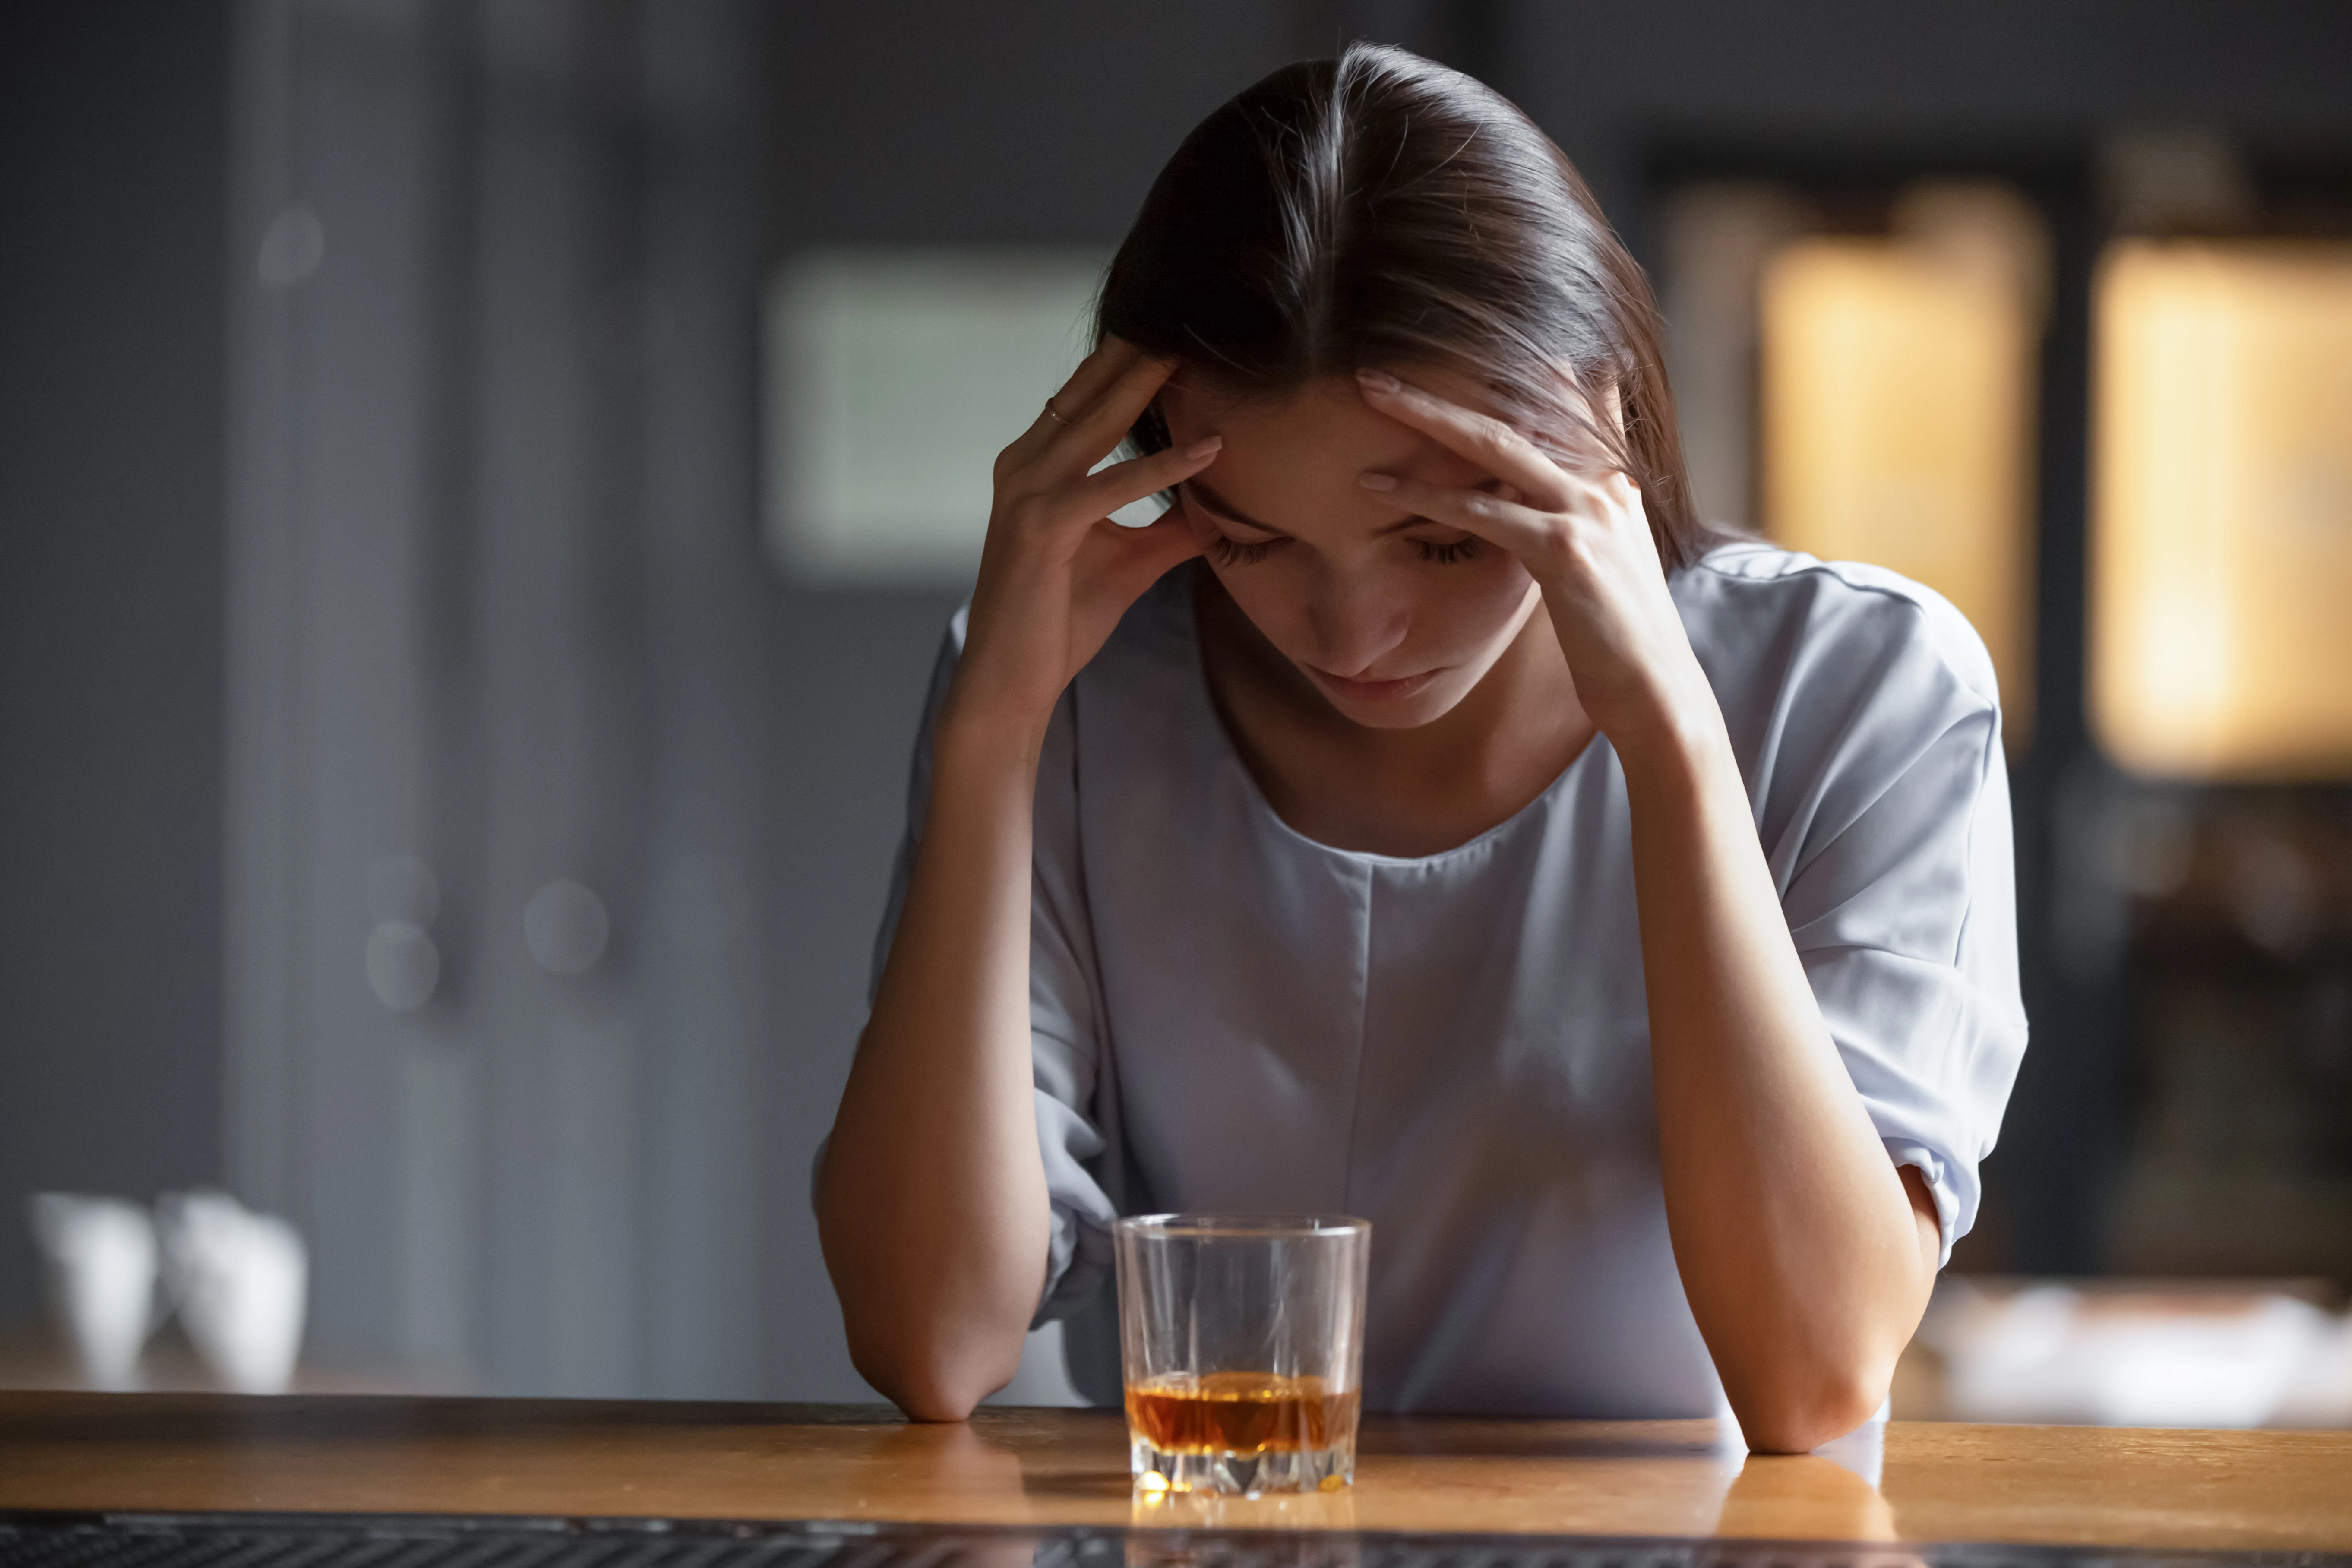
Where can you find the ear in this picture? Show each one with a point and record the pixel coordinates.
(1150, 429)
(1168, 408)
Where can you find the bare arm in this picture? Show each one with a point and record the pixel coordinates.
(1806, 1255)
(932, 1204)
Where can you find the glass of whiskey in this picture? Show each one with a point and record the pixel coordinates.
(1242, 1346)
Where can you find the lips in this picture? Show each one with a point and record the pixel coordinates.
(1374, 690)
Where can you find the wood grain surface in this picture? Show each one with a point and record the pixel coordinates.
(1938, 1482)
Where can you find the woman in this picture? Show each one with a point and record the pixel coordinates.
(1427, 819)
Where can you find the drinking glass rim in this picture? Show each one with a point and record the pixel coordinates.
(1243, 1226)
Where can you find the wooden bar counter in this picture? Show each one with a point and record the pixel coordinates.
(2205, 1491)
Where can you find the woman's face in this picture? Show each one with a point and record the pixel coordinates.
(1392, 617)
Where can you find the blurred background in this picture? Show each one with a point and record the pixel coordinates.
(481, 484)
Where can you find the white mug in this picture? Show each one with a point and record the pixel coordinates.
(99, 1262)
(239, 1280)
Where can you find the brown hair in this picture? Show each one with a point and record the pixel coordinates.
(1379, 210)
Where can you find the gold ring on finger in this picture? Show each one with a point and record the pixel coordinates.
(1055, 414)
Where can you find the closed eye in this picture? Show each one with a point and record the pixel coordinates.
(1224, 549)
(1463, 549)
(1227, 552)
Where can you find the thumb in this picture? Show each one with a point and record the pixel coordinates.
(1142, 556)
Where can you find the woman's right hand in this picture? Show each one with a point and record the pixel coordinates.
(932, 1204)
(1056, 574)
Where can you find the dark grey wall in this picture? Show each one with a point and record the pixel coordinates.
(941, 122)
(1608, 79)
(113, 161)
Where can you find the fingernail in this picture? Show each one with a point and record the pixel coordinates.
(1376, 481)
(1380, 381)
(1205, 447)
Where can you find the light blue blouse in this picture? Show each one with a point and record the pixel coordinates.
(1230, 1016)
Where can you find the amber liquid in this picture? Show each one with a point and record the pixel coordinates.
(1240, 1413)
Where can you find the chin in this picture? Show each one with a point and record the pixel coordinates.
(1391, 715)
(1397, 713)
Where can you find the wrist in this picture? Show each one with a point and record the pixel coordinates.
(974, 732)
(1675, 737)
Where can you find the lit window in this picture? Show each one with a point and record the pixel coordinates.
(2221, 543)
(1897, 407)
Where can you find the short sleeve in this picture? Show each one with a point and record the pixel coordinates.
(1884, 812)
(1070, 1084)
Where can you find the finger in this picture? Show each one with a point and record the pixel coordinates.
(1480, 439)
(1122, 484)
(1511, 525)
(1140, 556)
(1111, 359)
(1099, 426)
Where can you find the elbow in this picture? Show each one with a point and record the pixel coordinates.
(934, 1334)
(934, 1383)
(934, 1359)
(1803, 1410)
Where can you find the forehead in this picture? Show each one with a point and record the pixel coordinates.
(1300, 452)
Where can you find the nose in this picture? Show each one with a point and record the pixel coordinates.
(1355, 625)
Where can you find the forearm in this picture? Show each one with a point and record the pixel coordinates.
(1802, 1253)
(932, 1206)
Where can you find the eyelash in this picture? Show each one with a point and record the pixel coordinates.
(1227, 552)
(1231, 552)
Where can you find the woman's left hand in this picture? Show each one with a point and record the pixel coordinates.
(1582, 535)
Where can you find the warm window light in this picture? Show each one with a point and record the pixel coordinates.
(1897, 411)
(2221, 544)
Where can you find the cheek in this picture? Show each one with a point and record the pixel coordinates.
(1473, 603)
(1272, 599)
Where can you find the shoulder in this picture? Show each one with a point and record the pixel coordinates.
(1754, 608)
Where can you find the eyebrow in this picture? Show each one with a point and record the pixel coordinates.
(1232, 514)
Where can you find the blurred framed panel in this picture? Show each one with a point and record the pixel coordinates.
(893, 376)
(2221, 635)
